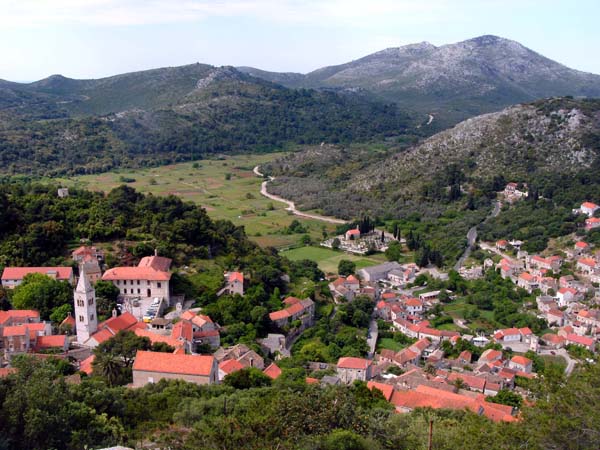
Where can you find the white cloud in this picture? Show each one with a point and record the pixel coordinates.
(19, 13)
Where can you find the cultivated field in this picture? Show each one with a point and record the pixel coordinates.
(226, 187)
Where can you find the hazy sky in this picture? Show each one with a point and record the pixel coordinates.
(95, 38)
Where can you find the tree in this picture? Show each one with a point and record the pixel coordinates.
(106, 297)
(394, 251)
(346, 267)
(506, 397)
(335, 244)
(114, 357)
(60, 313)
(247, 378)
(42, 293)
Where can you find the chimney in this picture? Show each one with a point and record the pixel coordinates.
(114, 312)
(155, 252)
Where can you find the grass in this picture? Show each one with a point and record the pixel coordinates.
(389, 344)
(227, 188)
(328, 259)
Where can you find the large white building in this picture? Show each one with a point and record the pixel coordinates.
(150, 279)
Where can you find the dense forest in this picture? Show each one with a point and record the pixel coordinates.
(40, 410)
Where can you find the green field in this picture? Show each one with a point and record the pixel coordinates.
(329, 259)
(389, 344)
(226, 187)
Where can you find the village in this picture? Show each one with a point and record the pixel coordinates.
(437, 367)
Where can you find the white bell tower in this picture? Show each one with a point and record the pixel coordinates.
(86, 319)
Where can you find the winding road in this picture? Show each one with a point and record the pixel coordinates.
(291, 206)
(472, 237)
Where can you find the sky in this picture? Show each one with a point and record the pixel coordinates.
(97, 38)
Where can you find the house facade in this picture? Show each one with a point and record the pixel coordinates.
(150, 279)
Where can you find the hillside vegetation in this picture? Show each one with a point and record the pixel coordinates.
(59, 125)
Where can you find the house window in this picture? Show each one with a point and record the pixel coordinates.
(138, 282)
(139, 291)
(158, 284)
(125, 291)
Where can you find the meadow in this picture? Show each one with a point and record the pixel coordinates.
(329, 259)
(226, 187)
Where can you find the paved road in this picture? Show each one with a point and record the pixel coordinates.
(562, 352)
(372, 338)
(472, 237)
(291, 206)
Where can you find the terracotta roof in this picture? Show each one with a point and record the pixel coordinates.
(273, 371)
(490, 355)
(69, 320)
(526, 276)
(6, 371)
(101, 336)
(405, 355)
(575, 338)
(553, 338)
(425, 396)
(592, 220)
(183, 330)
(155, 337)
(14, 330)
(353, 232)
(18, 314)
(589, 205)
(135, 273)
(187, 315)
(521, 360)
(465, 355)
(201, 365)
(295, 308)
(386, 389)
(230, 366)
(18, 273)
(291, 301)
(352, 279)
(502, 242)
(119, 323)
(350, 362)
(472, 381)
(86, 364)
(57, 340)
(235, 277)
(310, 380)
(387, 354)
(413, 302)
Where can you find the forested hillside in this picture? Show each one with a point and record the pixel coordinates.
(59, 126)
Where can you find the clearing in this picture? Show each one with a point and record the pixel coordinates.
(329, 259)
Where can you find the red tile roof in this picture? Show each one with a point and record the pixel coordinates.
(310, 380)
(86, 364)
(230, 366)
(273, 371)
(183, 330)
(155, 337)
(521, 360)
(59, 340)
(18, 273)
(14, 330)
(581, 244)
(200, 365)
(119, 323)
(553, 338)
(69, 320)
(152, 268)
(291, 301)
(22, 314)
(350, 362)
(353, 232)
(235, 276)
(465, 355)
(352, 279)
(413, 302)
(386, 389)
(582, 340)
(6, 371)
(589, 205)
